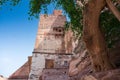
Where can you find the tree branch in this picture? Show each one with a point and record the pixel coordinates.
(79, 3)
(118, 1)
(114, 10)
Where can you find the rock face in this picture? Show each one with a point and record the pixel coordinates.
(107, 75)
(81, 68)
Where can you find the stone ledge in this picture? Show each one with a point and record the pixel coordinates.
(52, 53)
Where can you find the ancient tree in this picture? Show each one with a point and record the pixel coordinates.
(92, 34)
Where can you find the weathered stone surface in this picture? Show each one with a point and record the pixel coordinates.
(50, 36)
(57, 74)
(53, 48)
(38, 63)
(21, 73)
(90, 77)
(77, 65)
(108, 75)
(81, 68)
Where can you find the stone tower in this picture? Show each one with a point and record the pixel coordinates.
(53, 47)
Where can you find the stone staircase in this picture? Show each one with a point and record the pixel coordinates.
(56, 74)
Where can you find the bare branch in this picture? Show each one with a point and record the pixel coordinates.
(82, 3)
(114, 10)
(79, 3)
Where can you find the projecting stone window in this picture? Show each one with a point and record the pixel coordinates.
(60, 30)
(49, 63)
(65, 63)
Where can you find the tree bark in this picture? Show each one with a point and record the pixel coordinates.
(93, 37)
(114, 10)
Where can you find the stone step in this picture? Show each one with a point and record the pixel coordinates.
(56, 74)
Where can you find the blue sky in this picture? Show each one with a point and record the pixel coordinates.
(17, 37)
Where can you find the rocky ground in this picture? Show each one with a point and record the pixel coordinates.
(81, 69)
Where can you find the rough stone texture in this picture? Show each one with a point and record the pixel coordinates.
(17, 79)
(68, 39)
(78, 64)
(50, 32)
(50, 50)
(107, 75)
(56, 74)
(86, 74)
(23, 72)
(81, 69)
(37, 66)
(38, 63)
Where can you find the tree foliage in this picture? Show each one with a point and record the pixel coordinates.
(70, 8)
(11, 2)
(111, 27)
(109, 24)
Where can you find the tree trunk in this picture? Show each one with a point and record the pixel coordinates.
(93, 37)
(114, 10)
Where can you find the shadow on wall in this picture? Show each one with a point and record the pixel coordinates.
(50, 36)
